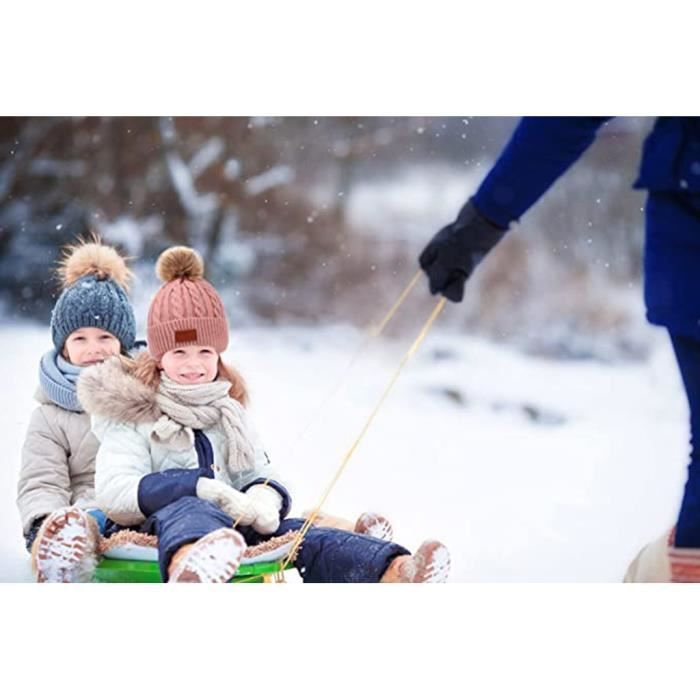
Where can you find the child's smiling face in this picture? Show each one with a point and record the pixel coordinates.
(191, 364)
(88, 346)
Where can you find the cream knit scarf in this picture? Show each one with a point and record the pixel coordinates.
(189, 406)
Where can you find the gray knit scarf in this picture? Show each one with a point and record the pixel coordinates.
(198, 406)
(58, 378)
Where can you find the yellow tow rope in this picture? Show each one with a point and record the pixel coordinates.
(373, 332)
(411, 351)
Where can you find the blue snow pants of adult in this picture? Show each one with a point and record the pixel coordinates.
(688, 526)
(672, 294)
(325, 556)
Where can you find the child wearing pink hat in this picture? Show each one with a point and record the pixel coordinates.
(179, 459)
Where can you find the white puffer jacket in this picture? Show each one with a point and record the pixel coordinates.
(124, 412)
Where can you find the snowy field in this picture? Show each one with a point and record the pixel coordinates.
(528, 470)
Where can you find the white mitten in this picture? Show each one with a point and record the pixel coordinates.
(266, 503)
(234, 503)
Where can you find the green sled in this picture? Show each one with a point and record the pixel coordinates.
(135, 571)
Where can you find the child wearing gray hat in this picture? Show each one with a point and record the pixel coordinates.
(92, 320)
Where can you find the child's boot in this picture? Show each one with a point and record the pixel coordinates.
(212, 559)
(375, 525)
(430, 564)
(65, 549)
(371, 524)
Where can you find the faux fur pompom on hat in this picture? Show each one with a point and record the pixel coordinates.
(180, 262)
(95, 281)
(92, 257)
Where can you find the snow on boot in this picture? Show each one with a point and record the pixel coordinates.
(212, 559)
(65, 550)
(430, 564)
(374, 525)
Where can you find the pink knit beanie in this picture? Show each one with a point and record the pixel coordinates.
(186, 310)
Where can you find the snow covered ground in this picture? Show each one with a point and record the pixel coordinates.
(528, 470)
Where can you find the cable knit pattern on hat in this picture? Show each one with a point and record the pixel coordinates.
(186, 310)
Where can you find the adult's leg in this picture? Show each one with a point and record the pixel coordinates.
(688, 356)
(672, 295)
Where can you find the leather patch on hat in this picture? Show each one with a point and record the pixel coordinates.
(186, 336)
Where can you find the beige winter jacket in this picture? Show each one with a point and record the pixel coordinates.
(58, 462)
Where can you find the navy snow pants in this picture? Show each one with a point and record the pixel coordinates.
(325, 556)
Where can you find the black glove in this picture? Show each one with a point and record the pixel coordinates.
(455, 250)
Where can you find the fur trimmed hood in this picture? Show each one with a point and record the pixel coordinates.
(114, 390)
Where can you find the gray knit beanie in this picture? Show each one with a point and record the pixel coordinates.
(95, 283)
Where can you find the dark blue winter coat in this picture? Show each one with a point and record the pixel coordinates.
(543, 148)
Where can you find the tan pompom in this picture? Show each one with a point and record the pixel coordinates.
(92, 257)
(180, 262)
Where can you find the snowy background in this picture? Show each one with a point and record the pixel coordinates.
(540, 432)
(528, 469)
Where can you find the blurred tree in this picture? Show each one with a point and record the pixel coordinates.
(267, 200)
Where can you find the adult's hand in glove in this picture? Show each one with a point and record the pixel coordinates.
(266, 503)
(234, 503)
(455, 250)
